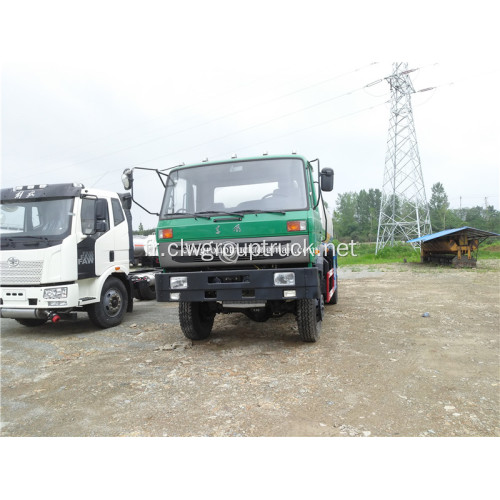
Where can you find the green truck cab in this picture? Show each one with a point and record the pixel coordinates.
(248, 235)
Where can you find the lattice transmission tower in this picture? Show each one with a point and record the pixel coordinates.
(404, 212)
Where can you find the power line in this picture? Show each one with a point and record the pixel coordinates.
(208, 122)
(257, 143)
(224, 117)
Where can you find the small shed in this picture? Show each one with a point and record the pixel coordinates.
(452, 246)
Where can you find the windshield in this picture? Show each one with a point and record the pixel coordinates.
(43, 218)
(240, 186)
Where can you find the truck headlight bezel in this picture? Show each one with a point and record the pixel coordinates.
(178, 282)
(284, 279)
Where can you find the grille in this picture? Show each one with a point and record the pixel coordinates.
(242, 255)
(28, 272)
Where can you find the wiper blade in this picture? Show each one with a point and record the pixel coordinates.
(258, 211)
(190, 214)
(12, 241)
(213, 213)
(40, 237)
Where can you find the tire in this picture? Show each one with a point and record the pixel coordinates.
(112, 306)
(147, 292)
(137, 293)
(309, 318)
(196, 320)
(32, 321)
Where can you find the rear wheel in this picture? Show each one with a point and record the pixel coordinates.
(144, 291)
(112, 306)
(309, 318)
(196, 320)
(32, 321)
(148, 292)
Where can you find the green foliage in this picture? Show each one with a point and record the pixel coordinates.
(442, 217)
(356, 214)
(490, 250)
(365, 254)
(144, 232)
(438, 207)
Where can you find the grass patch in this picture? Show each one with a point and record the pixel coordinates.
(365, 254)
(489, 250)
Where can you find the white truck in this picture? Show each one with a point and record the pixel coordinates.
(67, 249)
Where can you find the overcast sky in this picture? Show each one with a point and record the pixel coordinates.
(89, 91)
(90, 88)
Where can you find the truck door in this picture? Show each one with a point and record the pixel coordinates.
(121, 234)
(104, 238)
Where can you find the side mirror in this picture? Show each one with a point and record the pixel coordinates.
(101, 226)
(127, 178)
(326, 179)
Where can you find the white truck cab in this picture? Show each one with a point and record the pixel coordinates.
(64, 249)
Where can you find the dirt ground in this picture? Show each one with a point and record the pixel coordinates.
(381, 368)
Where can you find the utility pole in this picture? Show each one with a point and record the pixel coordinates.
(404, 212)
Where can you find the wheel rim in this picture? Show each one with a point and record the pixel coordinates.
(112, 302)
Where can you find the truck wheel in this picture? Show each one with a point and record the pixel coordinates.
(196, 320)
(137, 293)
(309, 318)
(111, 309)
(32, 321)
(147, 291)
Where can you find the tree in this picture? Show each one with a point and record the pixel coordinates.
(141, 228)
(345, 215)
(356, 215)
(438, 207)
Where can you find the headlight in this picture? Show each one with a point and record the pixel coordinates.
(60, 292)
(284, 279)
(178, 282)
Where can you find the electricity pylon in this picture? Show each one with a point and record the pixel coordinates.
(404, 212)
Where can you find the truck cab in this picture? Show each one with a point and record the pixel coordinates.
(65, 249)
(248, 235)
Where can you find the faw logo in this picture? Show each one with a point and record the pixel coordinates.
(13, 261)
(86, 258)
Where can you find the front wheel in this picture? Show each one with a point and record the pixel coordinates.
(309, 318)
(196, 320)
(112, 306)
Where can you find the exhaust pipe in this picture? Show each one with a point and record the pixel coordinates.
(22, 313)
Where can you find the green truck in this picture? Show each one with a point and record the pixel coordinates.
(248, 235)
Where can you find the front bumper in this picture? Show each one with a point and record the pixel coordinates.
(238, 285)
(29, 301)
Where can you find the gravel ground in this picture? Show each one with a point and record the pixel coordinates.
(380, 368)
